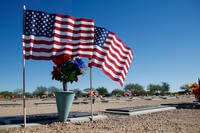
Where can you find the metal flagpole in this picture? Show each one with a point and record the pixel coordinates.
(91, 91)
(24, 91)
(24, 84)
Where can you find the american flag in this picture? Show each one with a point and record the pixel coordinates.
(127, 93)
(111, 55)
(46, 36)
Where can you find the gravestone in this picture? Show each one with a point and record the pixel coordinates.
(40, 118)
(138, 110)
(193, 105)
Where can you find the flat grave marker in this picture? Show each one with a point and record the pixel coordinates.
(138, 110)
(191, 105)
(41, 118)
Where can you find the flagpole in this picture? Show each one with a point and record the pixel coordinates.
(91, 91)
(24, 83)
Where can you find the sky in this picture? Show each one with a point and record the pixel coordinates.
(164, 35)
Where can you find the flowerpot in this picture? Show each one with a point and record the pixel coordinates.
(64, 100)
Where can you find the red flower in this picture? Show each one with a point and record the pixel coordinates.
(56, 72)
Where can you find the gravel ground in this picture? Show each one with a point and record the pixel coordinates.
(180, 120)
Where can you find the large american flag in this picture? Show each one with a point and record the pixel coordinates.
(46, 36)
(111, 55)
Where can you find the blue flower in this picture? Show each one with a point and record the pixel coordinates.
(79, 63)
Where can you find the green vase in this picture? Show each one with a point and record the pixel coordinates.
(64, 100)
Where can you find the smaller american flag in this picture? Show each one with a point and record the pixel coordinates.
(111, 55)
(127, 93)
(46, 36)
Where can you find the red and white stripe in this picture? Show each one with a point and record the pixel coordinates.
(72, 37)
(114, 58)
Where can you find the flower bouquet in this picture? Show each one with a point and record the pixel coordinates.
(66, 71)
(93, 95)
(196, 90)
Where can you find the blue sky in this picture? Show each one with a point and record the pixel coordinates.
(164, 35)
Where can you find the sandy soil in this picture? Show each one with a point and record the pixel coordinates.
(180, 120)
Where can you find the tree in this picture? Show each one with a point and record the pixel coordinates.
(164, 88)
(41, 90)
(87, 90)
(52, 90)
(117, 92)
(6, 94)
(185, 88)
(154, 89)
(78, 93)
(102, 91)
(17, 92)
(29, 95)
(136, 89)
